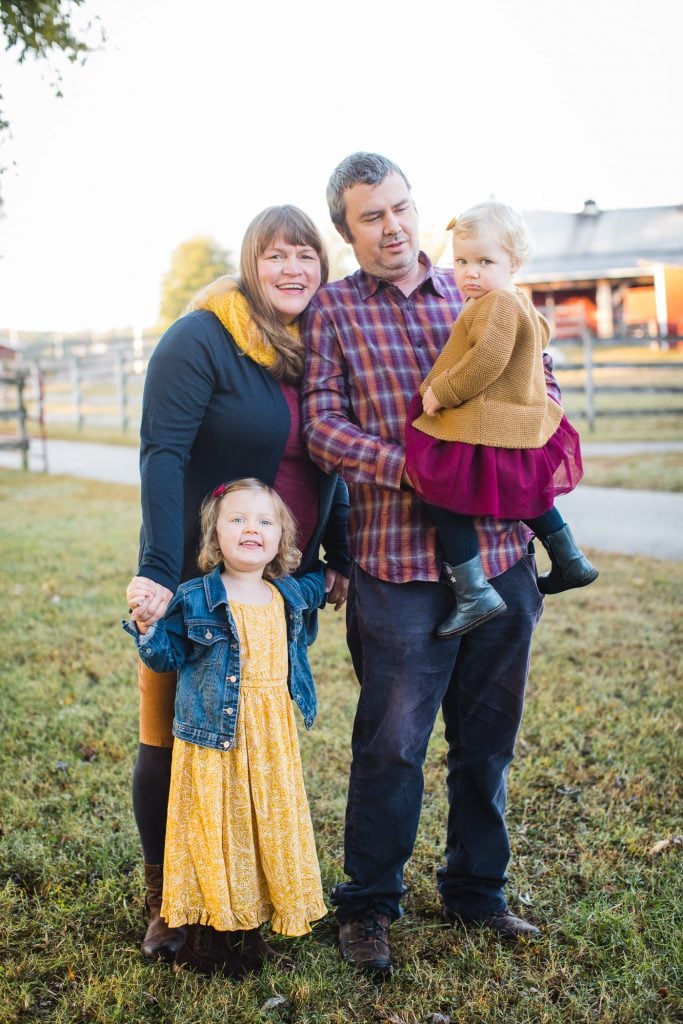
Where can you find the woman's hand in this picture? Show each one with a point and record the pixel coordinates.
(336, 588)
(147, 600)
(430, 403)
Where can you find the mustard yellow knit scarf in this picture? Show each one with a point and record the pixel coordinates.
(232, 309)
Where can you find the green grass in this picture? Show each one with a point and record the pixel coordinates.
(595, 786)
(649, 471)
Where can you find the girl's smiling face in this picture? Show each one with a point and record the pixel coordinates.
(248, 530)
(289, 276)
(481, 265)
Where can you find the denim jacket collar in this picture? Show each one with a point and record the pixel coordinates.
(214, 590)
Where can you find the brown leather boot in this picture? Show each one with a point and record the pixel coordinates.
(160, 941)
(254, 951)
(364, 943)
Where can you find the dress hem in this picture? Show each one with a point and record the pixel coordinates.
(281, 924)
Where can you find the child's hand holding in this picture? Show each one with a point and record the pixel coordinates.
(430, 403)
(147, 601)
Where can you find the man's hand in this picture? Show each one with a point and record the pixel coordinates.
(147, 601)
(336, 588)
(430, 403)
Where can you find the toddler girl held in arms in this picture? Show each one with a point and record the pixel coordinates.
(483, 437)
(239, 842)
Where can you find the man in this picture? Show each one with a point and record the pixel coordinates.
(371, 339)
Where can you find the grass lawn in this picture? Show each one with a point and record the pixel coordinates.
(649, 471)
(595, 807)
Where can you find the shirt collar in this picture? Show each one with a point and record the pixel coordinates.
(214, 589)
(368, 285)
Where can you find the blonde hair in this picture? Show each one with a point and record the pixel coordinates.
(502, 222)
(288, 556)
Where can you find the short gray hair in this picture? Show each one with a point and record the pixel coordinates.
(357, 169)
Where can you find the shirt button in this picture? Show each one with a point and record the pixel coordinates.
(228, 711)
(148, 650)
(233, 647)
(231, 679)
(226, 744)
(208, 635)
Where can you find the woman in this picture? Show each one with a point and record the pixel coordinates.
(221, 402)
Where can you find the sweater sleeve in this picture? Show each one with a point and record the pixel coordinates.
(491, 340)
(335, 541)
(180, 381)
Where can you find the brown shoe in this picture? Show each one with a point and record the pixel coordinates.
(207, 951)
(254, 951)
(364, 943)
(160, 941)
(505, 924)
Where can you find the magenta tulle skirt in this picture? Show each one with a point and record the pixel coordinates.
(477, 480)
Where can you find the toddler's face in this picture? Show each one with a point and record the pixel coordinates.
(248, 530)
(481, 265)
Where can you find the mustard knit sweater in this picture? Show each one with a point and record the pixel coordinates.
(490, 376)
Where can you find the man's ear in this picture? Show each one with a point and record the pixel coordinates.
(344, 232)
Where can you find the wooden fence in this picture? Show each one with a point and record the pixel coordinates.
(13, 412)
(594, 386)
(104, 389)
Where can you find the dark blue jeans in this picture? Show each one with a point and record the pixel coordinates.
(406, 674)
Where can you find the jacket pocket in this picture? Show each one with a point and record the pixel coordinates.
(209, 652)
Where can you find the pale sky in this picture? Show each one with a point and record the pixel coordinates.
(195, 116)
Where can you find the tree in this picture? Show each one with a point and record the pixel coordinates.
(194, 264)
(41, 29)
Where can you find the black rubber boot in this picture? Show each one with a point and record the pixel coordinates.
(570, 568)
(477, 601)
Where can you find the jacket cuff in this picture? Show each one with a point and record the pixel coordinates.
(140, 638)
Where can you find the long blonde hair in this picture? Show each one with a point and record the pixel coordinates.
(288, 556)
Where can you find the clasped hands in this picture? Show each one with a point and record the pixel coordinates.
(147, 601)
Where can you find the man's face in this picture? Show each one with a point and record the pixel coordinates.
(382, 227)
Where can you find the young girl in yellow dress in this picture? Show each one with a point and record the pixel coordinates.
(239, 844)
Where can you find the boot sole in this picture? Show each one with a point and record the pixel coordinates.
(574, 585)
(493, 614)
(378, 968)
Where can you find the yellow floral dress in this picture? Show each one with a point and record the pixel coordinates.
(239, 840)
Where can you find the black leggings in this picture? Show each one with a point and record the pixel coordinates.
(151, 782)
(458, 535)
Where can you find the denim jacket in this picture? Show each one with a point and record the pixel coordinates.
(198, 637)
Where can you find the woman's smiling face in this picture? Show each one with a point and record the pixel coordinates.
(289, 276)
